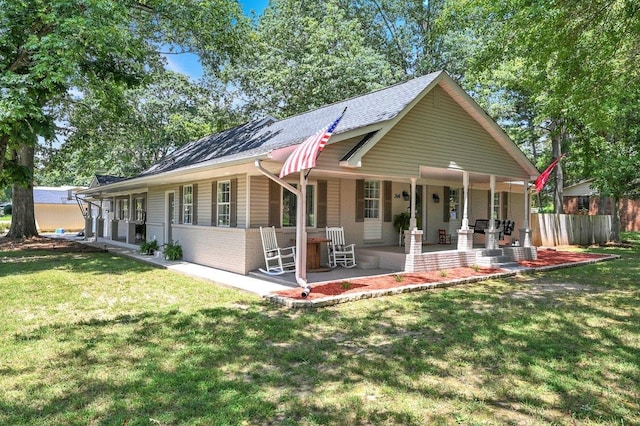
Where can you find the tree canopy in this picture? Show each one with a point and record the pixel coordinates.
(562, 77)
(50, 47)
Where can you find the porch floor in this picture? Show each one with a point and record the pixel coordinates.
(370, 261)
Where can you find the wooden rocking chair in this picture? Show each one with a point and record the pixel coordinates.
(278, 260)
(443, 237)
(340, 252)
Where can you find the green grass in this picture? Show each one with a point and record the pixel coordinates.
(97, 339)
(5, 223)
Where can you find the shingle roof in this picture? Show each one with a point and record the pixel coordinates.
(54, 195)
(107, 179)
(261, 136)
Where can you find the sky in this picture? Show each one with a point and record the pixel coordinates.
(189, 64)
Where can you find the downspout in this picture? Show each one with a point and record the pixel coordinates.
(301, 235)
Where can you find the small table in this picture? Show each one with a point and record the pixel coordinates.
(314, 254)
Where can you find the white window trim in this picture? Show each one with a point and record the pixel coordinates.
(454, 203)
(378, 199)
(220, 203)
(314, 188)
(139, 213)
(123, 209)
(185, 205)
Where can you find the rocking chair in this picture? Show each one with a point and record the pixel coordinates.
(340, 252)
(278, 260)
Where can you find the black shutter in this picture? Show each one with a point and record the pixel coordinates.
(360, 200)
(321, 221)
(194, 204)
(386, 197)
(274, 203)
(505, 206)
(446, 204)
(214, 203)
(233, 201)
(180, 203)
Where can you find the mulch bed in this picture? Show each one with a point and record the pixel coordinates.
(550, 257)
(381, 282)
(45, 243)
(365, 284)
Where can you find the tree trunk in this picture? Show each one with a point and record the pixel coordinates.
(556, 149)
(615, 220)
(4, 142)
(23, 221)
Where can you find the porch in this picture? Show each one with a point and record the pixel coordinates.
(383, 260)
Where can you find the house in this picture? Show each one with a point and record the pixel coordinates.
(56, 208)
(581, 198)
(424, 143)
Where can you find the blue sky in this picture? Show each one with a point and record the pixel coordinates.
(189, 64)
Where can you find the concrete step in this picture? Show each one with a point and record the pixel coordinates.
(492, 261)
(491, 252)
(364, 261)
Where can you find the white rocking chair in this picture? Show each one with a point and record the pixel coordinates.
(278, 260)
(340, 252)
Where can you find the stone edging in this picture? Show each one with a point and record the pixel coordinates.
(351, 297)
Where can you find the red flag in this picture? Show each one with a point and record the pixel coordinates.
(544, 176)
(305, 155)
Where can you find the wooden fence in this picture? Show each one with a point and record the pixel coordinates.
(552, 230)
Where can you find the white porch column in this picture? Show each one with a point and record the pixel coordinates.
(525, 231)
(465, 191)
(131, 226)
(413, 223)
(465, 235)
(491, 235)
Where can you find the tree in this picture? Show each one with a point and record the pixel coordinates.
(574, 63)
(151, 121)
(305, 55)
(411, 35)
(48, 47)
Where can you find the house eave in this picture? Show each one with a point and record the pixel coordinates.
(176, 175)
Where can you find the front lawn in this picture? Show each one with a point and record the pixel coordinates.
(91, 338)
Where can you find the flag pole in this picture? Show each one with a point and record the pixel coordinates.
(301, 237)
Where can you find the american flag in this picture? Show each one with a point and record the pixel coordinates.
(544, 176)
(305, 155)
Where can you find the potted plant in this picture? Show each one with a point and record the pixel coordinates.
(172, 251)
(401, 223)
(149, 247)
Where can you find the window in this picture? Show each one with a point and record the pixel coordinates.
(290, 205)
(224, 203)
(454, 203)
(187, 204)
(123, 209)
(139, 209)
(371, 199)
(583, 203)
(496, 206)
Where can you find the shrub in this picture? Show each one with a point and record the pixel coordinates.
(173, 251)
(7, 210)
(149, 247)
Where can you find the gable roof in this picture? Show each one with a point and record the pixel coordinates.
(267, 134)
(368, 116)
(54, 195)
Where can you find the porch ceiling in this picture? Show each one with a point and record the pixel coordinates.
(454, 175)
